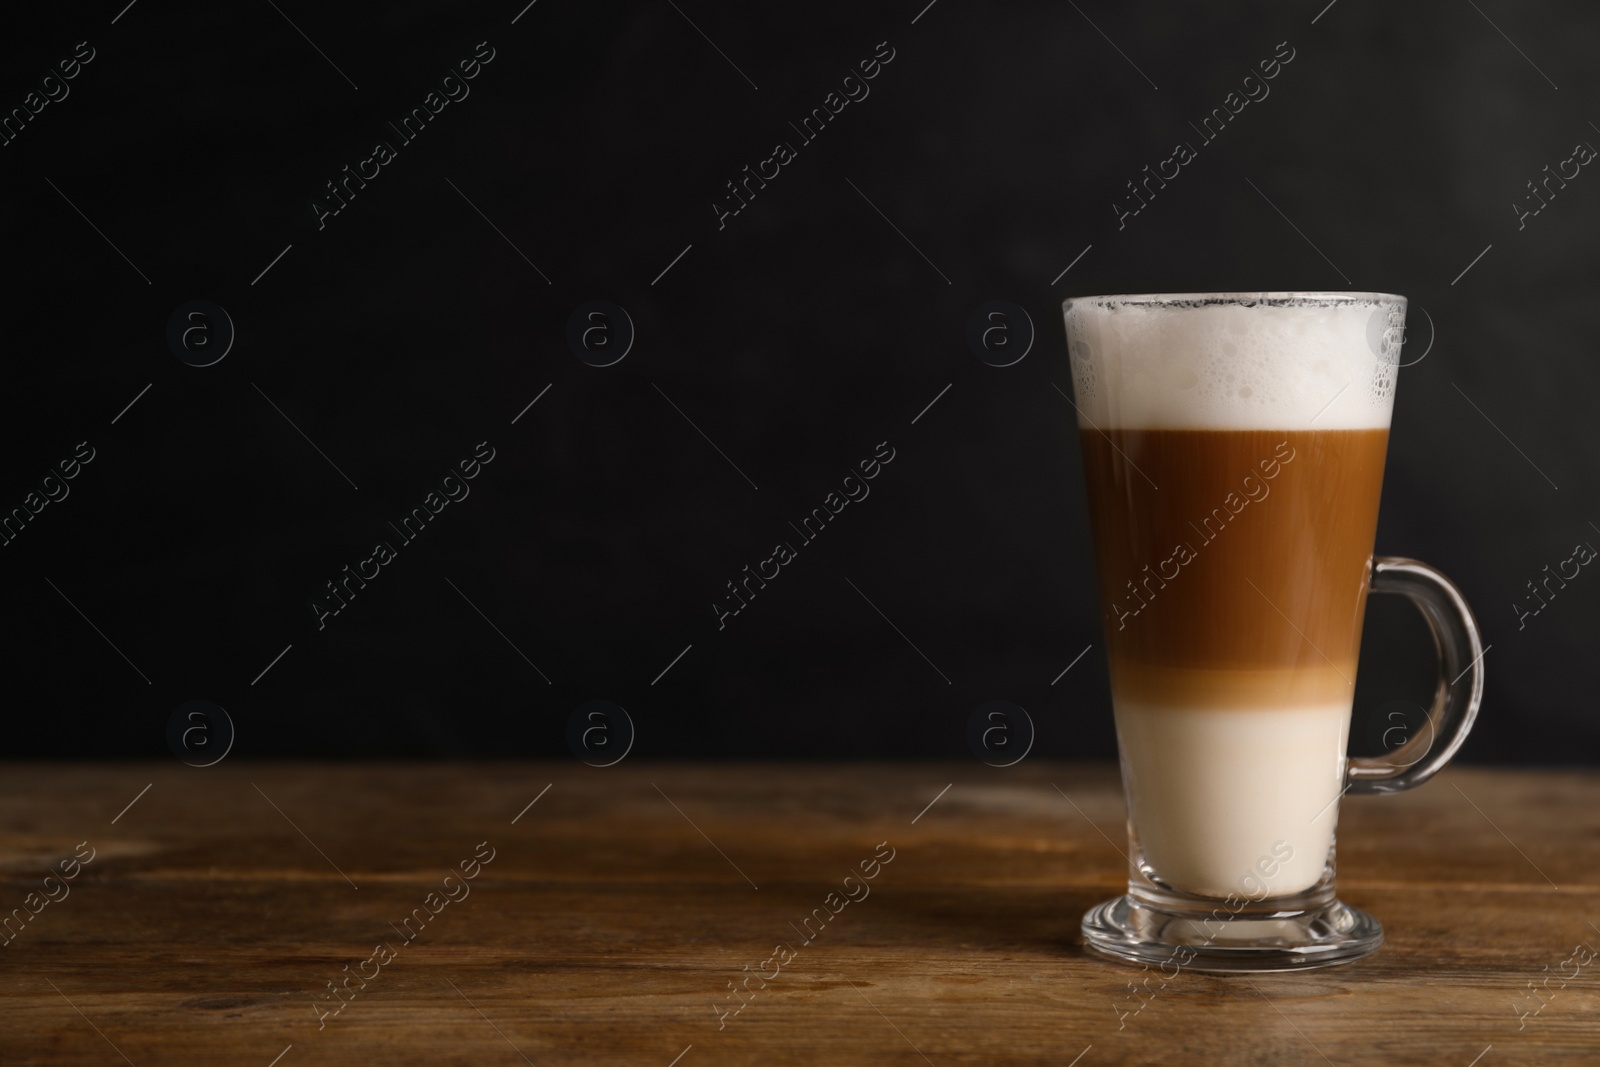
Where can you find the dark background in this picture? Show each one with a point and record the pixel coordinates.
(796, 338)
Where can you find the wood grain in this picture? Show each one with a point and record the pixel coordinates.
(616, 911)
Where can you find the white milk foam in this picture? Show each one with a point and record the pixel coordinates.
(1255, 361)
(1214, 792)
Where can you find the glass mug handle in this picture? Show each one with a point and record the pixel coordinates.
(1459, 689)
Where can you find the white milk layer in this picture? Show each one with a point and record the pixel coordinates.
(1236, 802)
(1195, 364)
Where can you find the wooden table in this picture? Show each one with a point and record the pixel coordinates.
(613, 914)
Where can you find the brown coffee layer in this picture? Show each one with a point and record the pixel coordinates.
(1155, 686)
(1234, 564)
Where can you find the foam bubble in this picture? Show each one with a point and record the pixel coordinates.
(1242, 361)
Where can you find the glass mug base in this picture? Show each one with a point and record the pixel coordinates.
(1287, 934)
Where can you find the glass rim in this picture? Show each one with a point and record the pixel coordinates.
(1268, 298)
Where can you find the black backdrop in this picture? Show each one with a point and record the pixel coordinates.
(773, 350)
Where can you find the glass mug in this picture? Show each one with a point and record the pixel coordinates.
(1233, 448)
